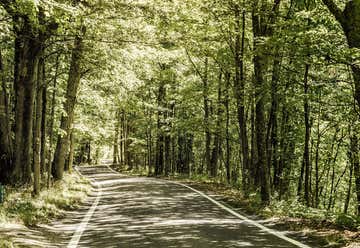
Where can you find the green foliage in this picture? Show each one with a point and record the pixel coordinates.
(5, 243)
(51, 203)
(144, 74)
(348, 221)
(317, 216)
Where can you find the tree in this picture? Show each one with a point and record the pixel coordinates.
(350, 23)
(69, 105)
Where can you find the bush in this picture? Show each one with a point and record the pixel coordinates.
(347, 222)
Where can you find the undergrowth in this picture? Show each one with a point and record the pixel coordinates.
(6, 243)
(317, 216)
(21, 207)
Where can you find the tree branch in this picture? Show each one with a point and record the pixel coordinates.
(335, 10)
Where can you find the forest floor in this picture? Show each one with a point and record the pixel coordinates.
(321, 227)
(20, 214)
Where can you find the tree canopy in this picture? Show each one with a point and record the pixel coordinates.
(262, 95)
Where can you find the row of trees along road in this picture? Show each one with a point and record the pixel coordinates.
(263, 95)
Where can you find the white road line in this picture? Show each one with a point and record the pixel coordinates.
(77, 235)
(229, 210)
(82, 226)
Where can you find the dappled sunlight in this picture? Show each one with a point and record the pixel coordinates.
(144, 212)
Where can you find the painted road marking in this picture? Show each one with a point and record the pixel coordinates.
(82, 226)
(231, 211)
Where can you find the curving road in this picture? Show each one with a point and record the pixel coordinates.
(145, 212)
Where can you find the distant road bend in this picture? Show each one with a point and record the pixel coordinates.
(146, 212)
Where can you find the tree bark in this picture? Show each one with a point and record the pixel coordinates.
(260, 65)
(350, 22)
(69, 105)
(72, 148)
(116, 138)
(5, 138)
(51, 124)
(167, 142)
(239, 89)
(356, 164)
(227, 127)
(272, 131)
(206, 118)
(306, 158)
(43, 125)
(349, 189)
(159, 165)
(263, 19)
(317, 151)
(37, 129)
(217, 139)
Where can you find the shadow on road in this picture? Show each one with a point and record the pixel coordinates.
(145, 212)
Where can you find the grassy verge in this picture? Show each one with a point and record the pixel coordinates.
(5, 242)
(21, 208)
(327, 228)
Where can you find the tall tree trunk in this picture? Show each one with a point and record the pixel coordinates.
(126, 142)
(286, 140)
(227, 127)
(349, 189)
(263, 19)
(5, 138)
(272, 131)
(333, 173)
(181, 152)
(206, 118)
(51, 124)
(116, 138)
(28, 51)
(43, 150)
(350, 22)
(317, 151)
(159, 166)
(72, 149)
(19, 109)
(261, 130)
(253, 171)
(69, 105)
(217, 139)
(239, 89)
(29, 41)
(122, 138)
(188, 153)
(285, 146)
(306, 158)
(356, 165)
(167, 143)
(37, 129)
(149, 141)
(260, 66)
(173, 142)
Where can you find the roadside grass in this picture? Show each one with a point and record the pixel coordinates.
(5, 242)
(21, 208)
(330, 229)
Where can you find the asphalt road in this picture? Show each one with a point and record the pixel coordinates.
(145, 212)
